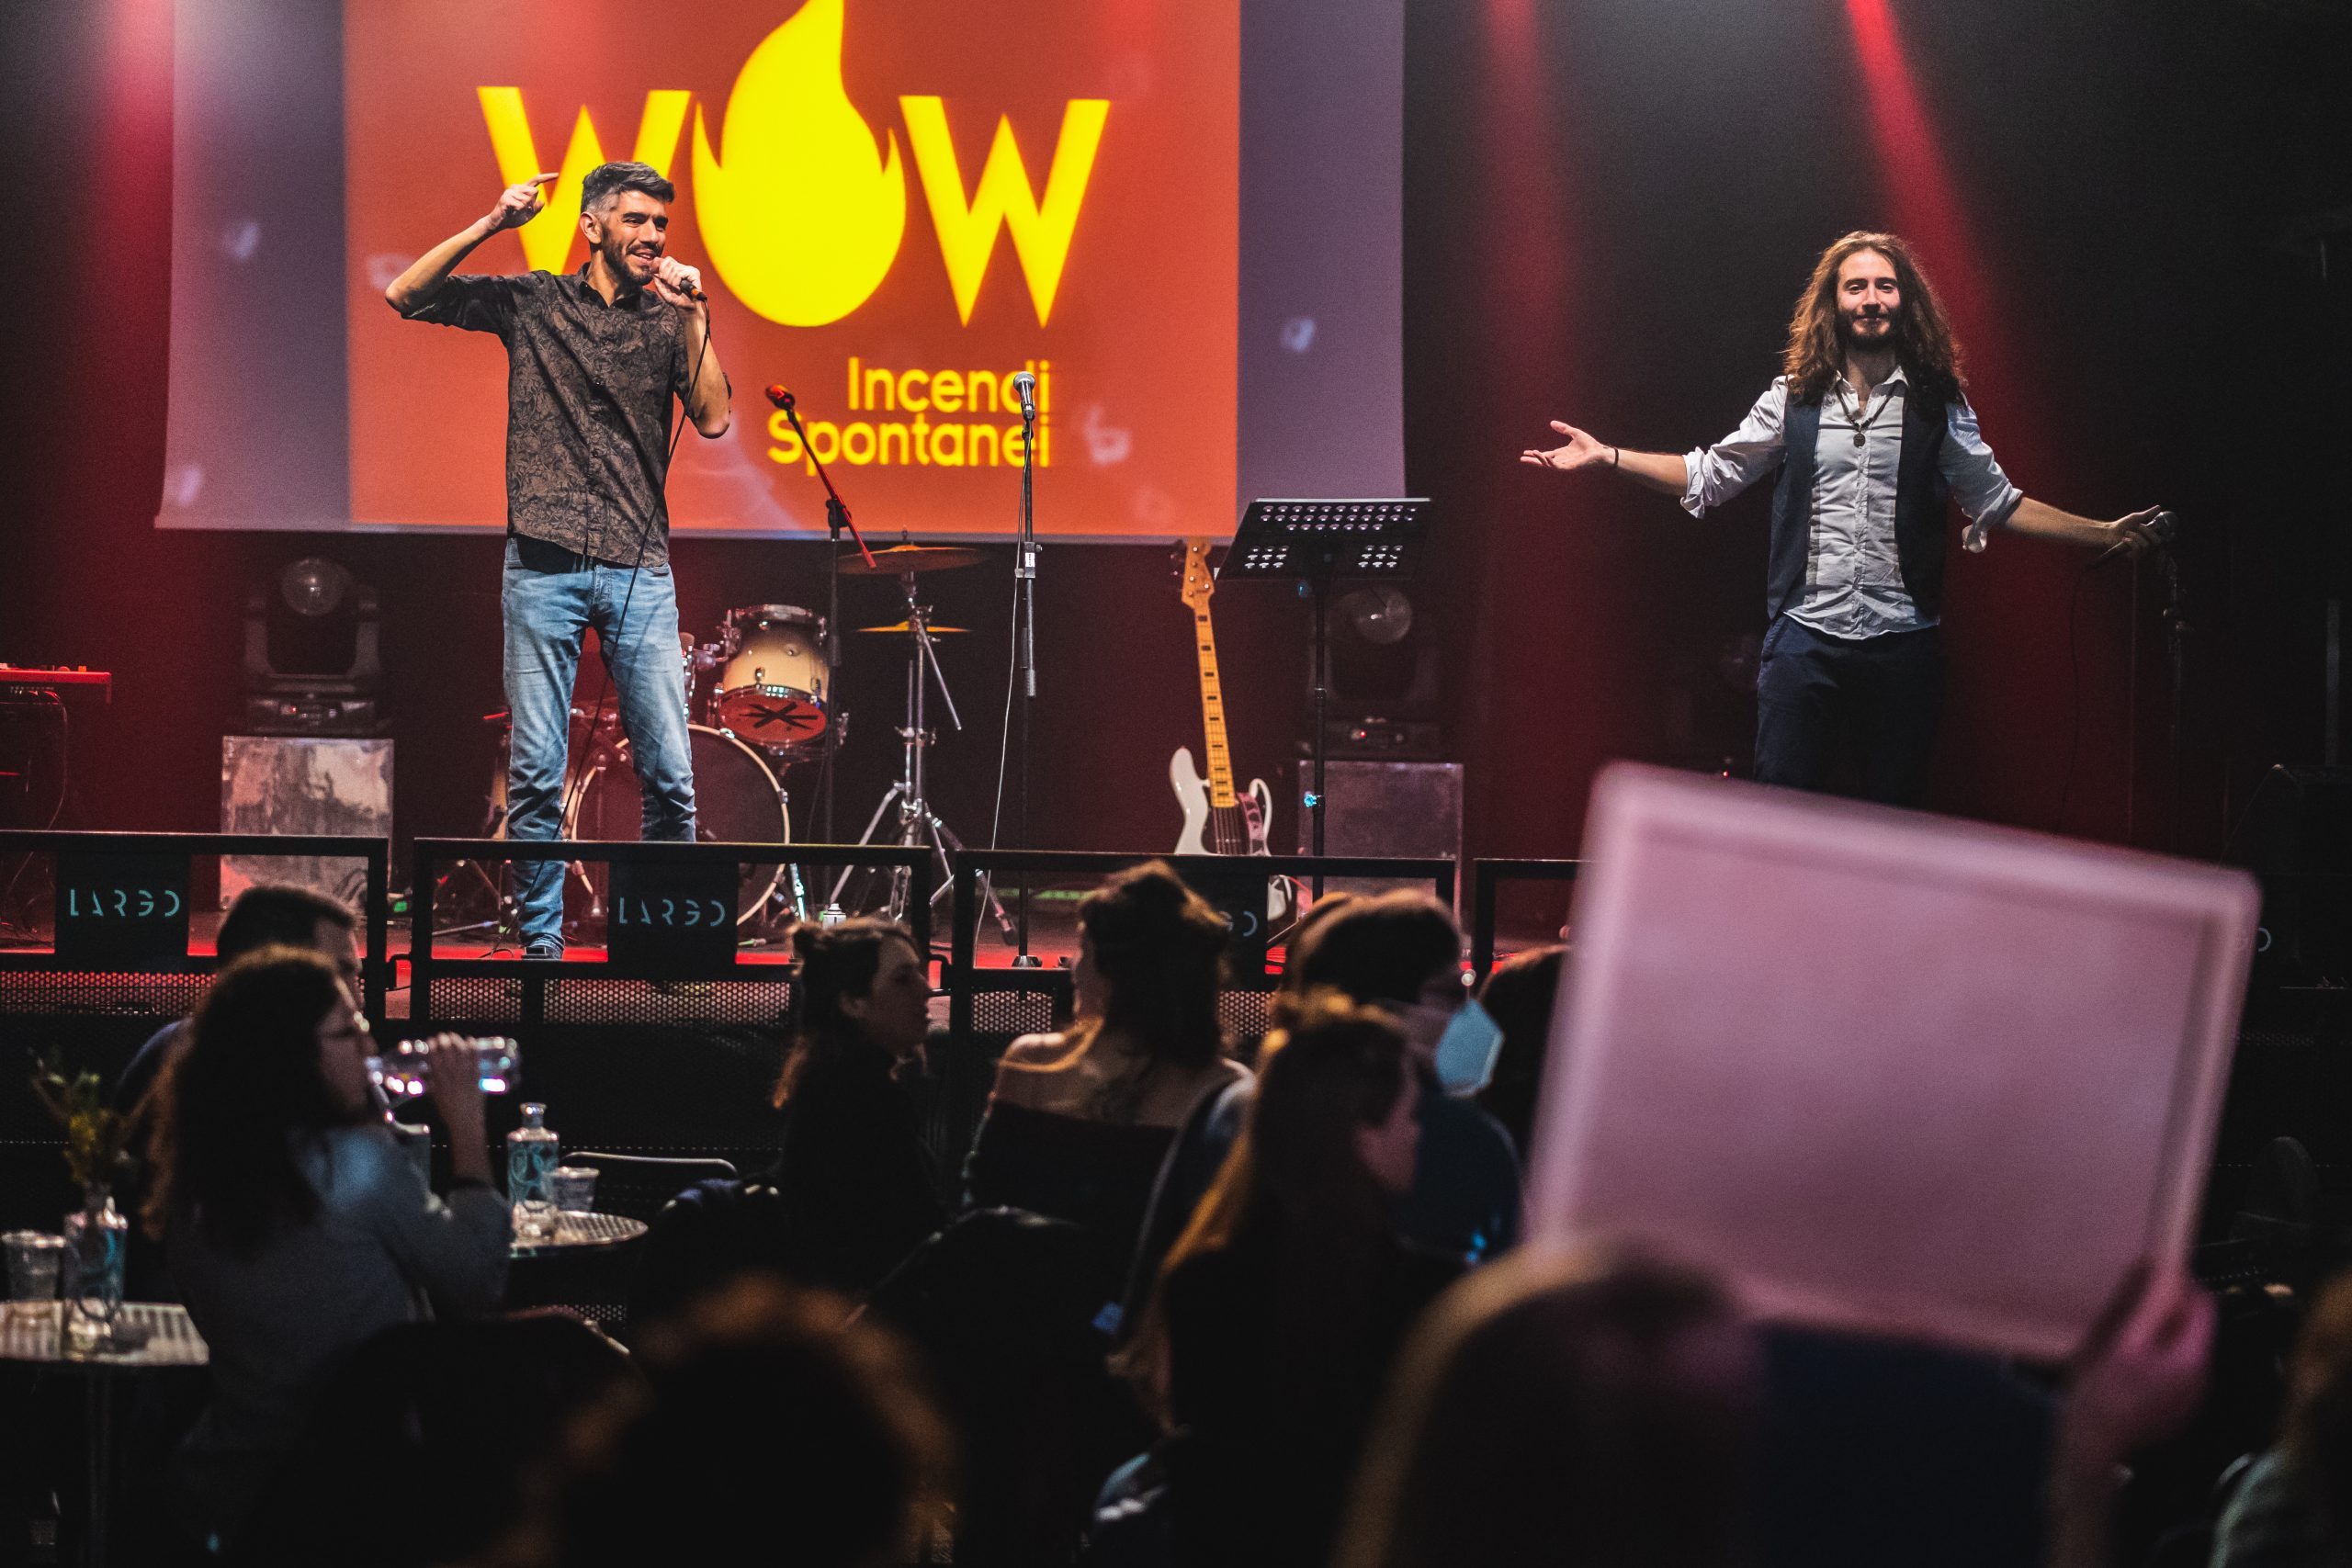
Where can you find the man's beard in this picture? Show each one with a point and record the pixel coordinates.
(617, 258)
(1849, 340)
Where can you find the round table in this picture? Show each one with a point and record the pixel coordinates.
(577, 1233)
(155, 1334)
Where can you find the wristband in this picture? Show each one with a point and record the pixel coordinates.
(1615, 453)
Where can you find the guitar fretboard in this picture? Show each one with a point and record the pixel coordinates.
(1221, 793)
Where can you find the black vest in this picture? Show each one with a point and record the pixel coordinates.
(1920, 492)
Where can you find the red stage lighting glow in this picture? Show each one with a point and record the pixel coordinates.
(1924, 202)
(1919, 185)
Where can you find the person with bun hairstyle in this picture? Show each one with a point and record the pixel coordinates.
(855, 1177)
(1080, 1121)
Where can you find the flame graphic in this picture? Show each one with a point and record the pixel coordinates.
(805, 217)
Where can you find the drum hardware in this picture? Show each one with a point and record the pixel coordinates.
(919, 825)
(903, 559)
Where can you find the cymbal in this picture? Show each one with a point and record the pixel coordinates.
(905, 628)
(897, 559)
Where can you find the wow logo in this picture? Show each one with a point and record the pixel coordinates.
(802, 209)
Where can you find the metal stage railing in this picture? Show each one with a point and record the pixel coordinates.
(1486, 879)
(478, 990)
(42, 982)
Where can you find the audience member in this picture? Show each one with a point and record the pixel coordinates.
(1281, 1306)
(294, 1226)
(1590, 1407)
(264, 915)
(1401, 952)
(1081, 1121)
(855, 1177)
(765, 1431)
(2293, 1506)
(1197, 1154)
(1518, 995)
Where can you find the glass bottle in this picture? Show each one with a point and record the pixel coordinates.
(530, 1156)
(95, 1236)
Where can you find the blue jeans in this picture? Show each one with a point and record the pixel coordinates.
(551, 597)
(1883, 695)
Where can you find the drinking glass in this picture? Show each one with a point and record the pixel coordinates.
(573, 1189)
(35, 1259)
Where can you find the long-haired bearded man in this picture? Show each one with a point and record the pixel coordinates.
(1870, 427)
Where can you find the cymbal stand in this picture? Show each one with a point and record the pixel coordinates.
(919, 825)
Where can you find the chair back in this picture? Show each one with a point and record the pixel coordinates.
(637, 1186)
(452, 1412)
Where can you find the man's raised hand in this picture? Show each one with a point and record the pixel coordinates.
(518, 203)
(1580, 451)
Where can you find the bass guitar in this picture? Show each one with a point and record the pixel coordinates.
(1219, 818)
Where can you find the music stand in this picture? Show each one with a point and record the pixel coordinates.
(1314, 544)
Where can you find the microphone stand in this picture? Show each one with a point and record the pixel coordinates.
(837, 518)
(1025, 614)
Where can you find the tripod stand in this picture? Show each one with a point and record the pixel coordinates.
(919, 825)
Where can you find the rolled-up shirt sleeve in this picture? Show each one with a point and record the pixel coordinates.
(475, 302)
(1715, 474)
(1985, 495)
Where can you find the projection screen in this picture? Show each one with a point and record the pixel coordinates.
(1182, 218)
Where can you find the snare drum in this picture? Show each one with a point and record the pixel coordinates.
(771, 691)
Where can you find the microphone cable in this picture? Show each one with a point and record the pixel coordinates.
(2161, 529)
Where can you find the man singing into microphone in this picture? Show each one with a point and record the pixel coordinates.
(1870, 429)
(593, 359)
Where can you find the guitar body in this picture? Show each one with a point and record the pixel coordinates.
(1255, 805)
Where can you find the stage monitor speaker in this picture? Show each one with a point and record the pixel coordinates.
(286, 783)
(1387, 808)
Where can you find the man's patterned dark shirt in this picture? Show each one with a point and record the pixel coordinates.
(588, 392)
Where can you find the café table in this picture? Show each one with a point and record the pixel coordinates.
(577, 1233)
(150, 1337)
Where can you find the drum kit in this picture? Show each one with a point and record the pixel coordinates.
(759, 704)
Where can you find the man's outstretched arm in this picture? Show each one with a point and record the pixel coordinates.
(1664, 472)
(516, 206)
(2043, 521)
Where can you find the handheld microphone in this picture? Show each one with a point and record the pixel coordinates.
(1026, 384)
(2160, 530)
(781, 395)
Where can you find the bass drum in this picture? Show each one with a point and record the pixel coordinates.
(737, 800)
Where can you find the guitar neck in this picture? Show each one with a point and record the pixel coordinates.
(1221, 793)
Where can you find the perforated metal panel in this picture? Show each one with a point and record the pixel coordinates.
(471, 1001)
(158, 996)
(479, 1001)
(1012, 1013)
(1243, 1016)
